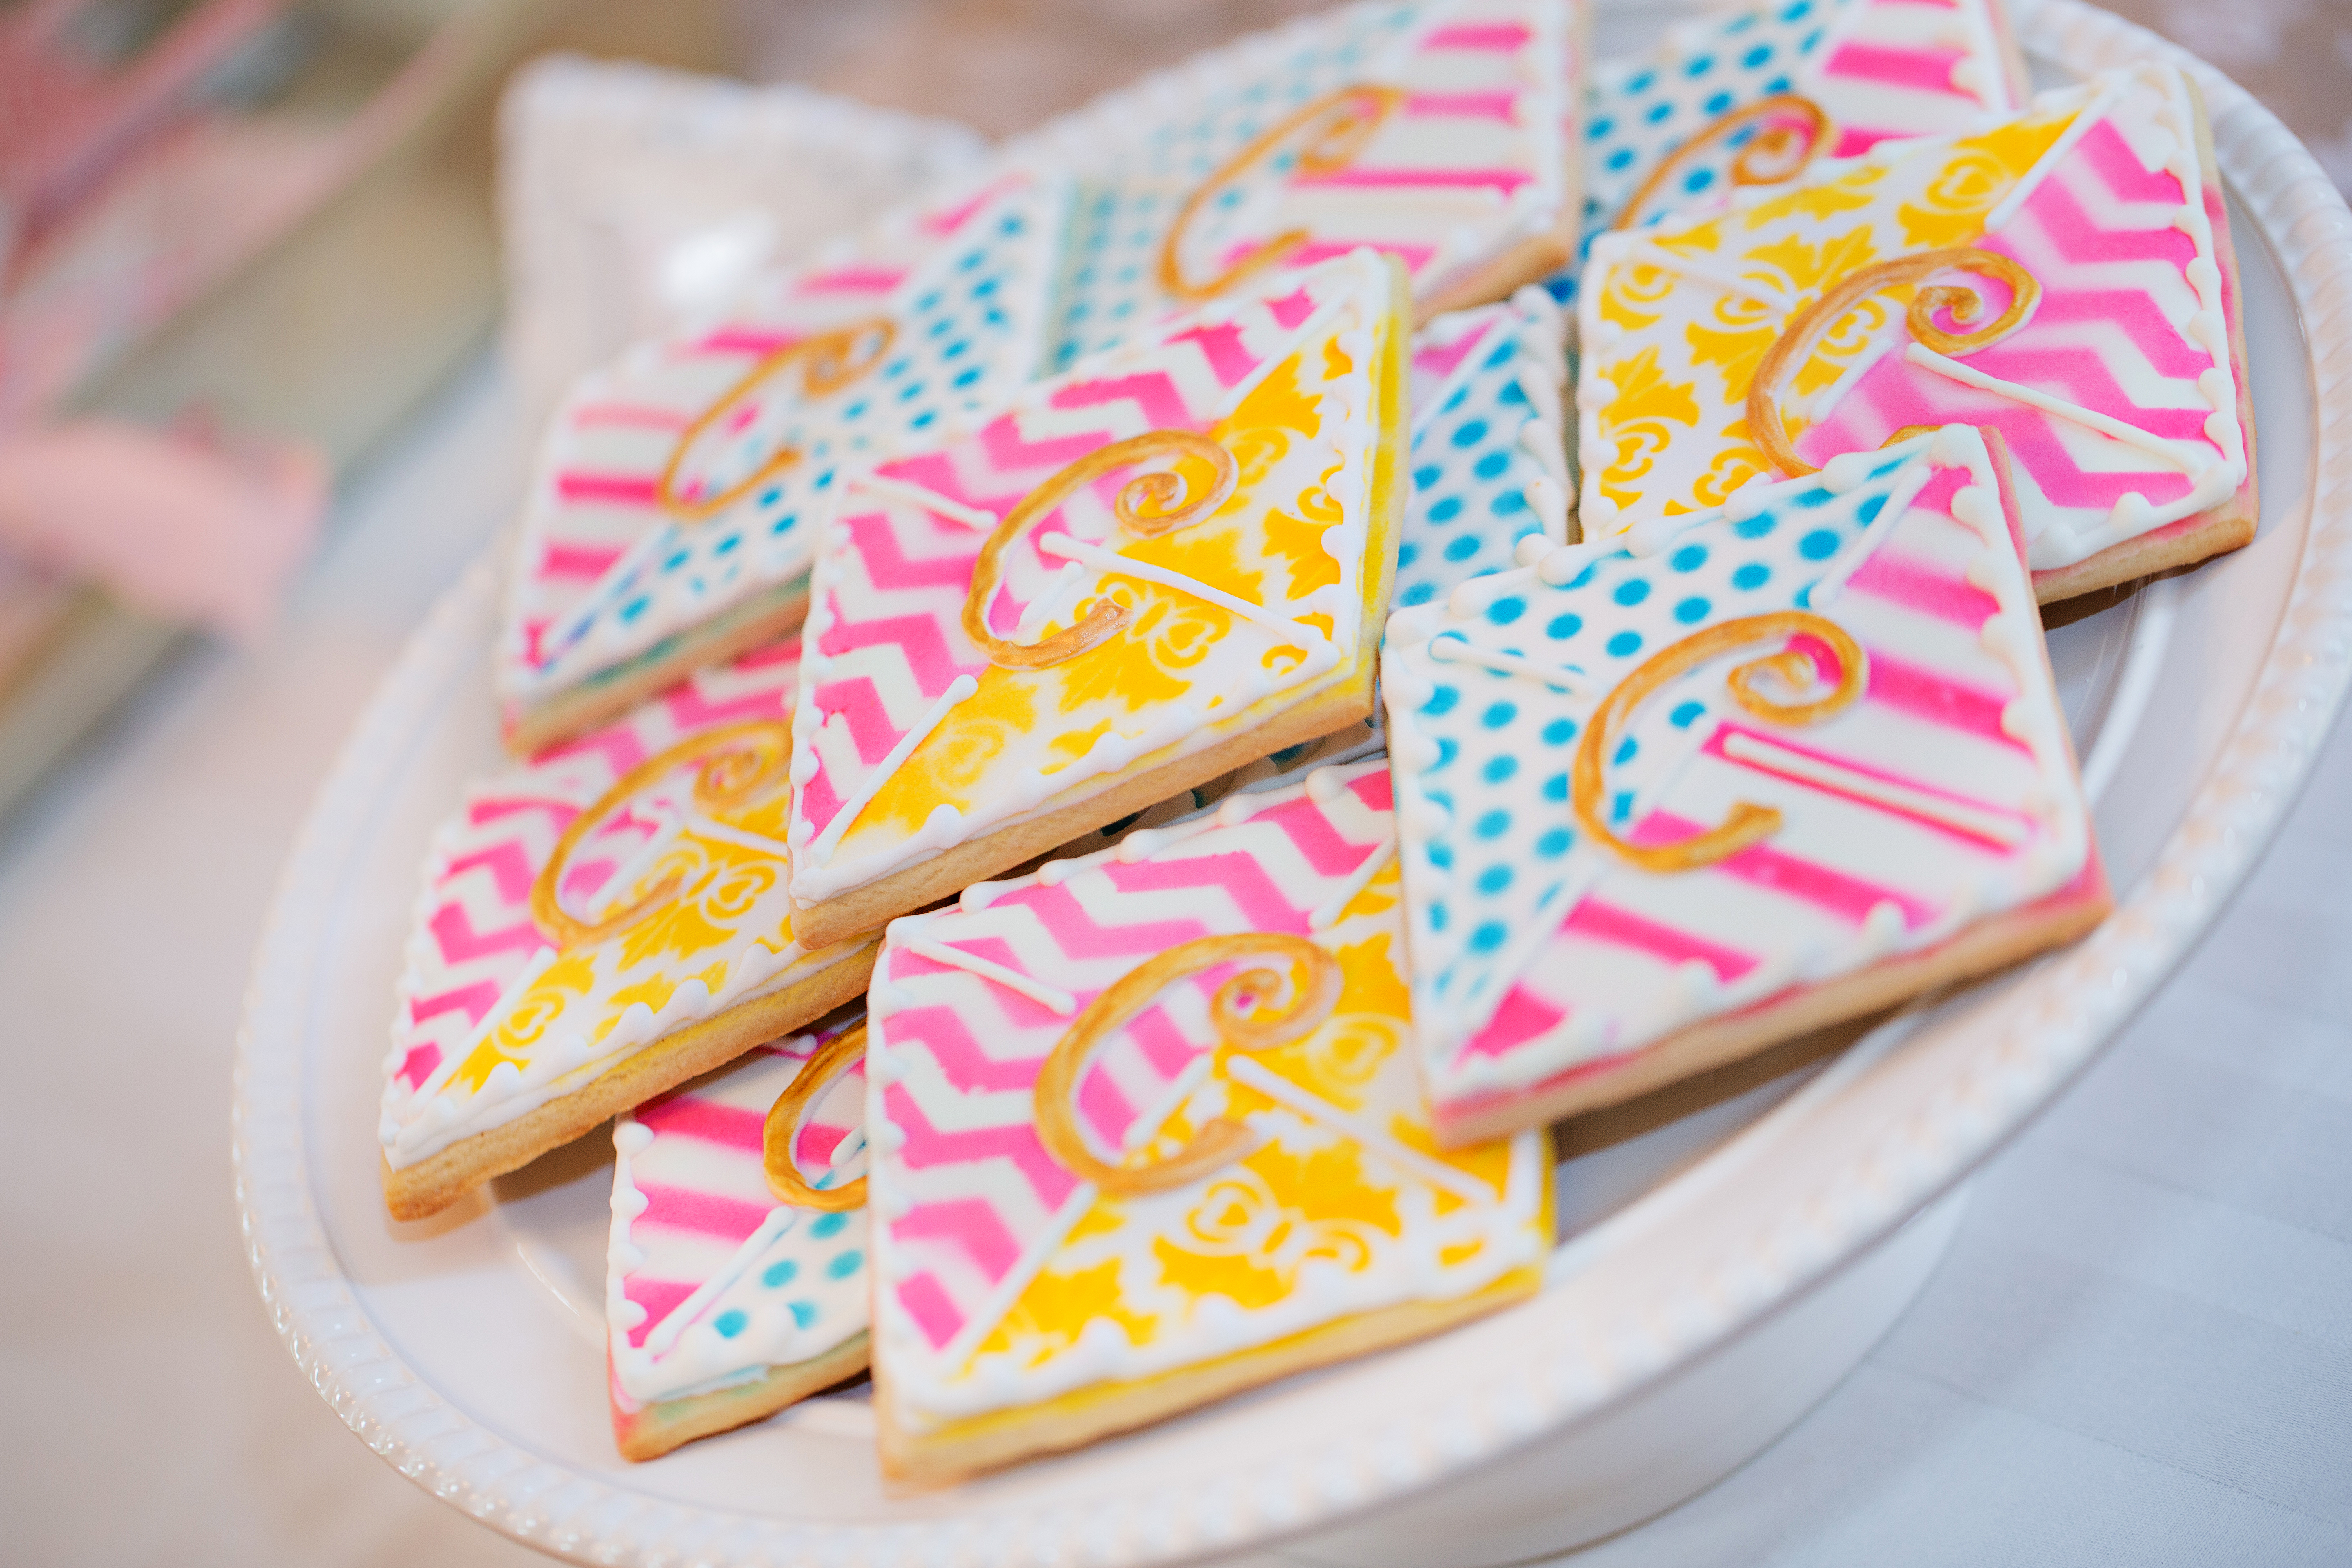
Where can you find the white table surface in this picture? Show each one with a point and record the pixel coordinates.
(2140, 1350)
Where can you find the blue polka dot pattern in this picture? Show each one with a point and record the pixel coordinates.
(1488, 752)
(1470, 469)
(1636, 114)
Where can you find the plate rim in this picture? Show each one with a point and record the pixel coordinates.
(2063, 1019)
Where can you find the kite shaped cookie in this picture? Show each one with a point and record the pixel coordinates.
(727, 1301)
(1149, 1131)
(2064, 277)
(1490, 461)
(1147, 572)
(1442, 133)
(1754, 96)
(597, 926)
(669, 525)
(1667, 800)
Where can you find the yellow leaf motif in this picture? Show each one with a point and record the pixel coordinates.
(1636, 420)
(1055, 1309)
(1259, 1223)
(1631, 287)
(949, 765)
(1848, 193)
(1979, 170)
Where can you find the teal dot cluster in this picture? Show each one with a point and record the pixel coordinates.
(1505, 744)
(1638, 111)
(1468, 509)
(958, 325)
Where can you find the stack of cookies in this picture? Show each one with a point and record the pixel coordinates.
(1094, 766)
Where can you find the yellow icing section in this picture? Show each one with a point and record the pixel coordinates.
(728, 896)
(1264, 546)
(1309, 1195)
(1690, 349)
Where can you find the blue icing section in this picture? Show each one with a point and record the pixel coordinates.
(1512, 841)
(1122, 212)
(1638, 111)
(953, 326)
(1470, 470)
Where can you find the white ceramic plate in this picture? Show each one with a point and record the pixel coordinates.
(468, 1350)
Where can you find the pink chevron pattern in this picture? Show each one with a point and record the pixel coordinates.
(604, 572)
(886, 625)
(690, 1192)
(1898, 68)
(2110, 334)
(476, 935)
(960, 1053)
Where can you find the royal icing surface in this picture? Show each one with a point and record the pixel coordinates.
(2055, 276)
(1827, 735)
(1437, 133)
(665, 905)
(1045, 1057)
(1158, 548)
(1709, 108)
(677, 484)
(1489, 463)
(710, 1280)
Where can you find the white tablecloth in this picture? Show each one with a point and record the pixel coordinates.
(2140, 1350)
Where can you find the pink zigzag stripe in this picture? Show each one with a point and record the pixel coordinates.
(918, 637)
(934, 1310)
(1597, 921)
(1221, 346)
(1412, 256)
(1919, 70)
(1500, 105)
(859, 706)
(617, 489)
(1359, 177)
(619, 747)
(1001, 440)
(508, 866)
(971, 1224)
(1154, 392)
(1024, 1010)
(418, 1064)
(1521, 1017)
(887, 567)
(2082, 377)
(706, 1213)
(491, 808)
(712, 1121)
(926, 1146)
(1495, 37)
(2080, 240)
(962, 1060)
(471, 1000)
(452, 931)
(1315, 839)
(2110, 157)
(691, 710)
(2132, 309)
(1082, 935)
(660, 1298)
(577, 561)
(1439, 362)
(1237, 875)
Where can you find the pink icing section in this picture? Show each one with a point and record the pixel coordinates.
(934, 1310)
(1502, 107)
(660, 1298)
(586, 562)
(1500, 38)
(927, 1146)
(1914, 70)
(1359, 177)
(1152, 391)
(705, 1213)
(1921, 589)
(854, 280)
(1414, 256)
(1221, 346)
(1292, 309)
(1923, 694)
(1715, 749)
(687, 1116)
(1848, 898)
(1601, 921)
(962, 1061)
(612, 489)
(1437, 362)
(1522, 1017)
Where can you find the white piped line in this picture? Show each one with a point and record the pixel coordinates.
(886, 489)
(1051, 997)
(741, 837)
(1436, 1173)
(959, 1351)
(821, 851)
(1976, 821)
(2090, 114)
(2156, 446)
(575, 625)
(1730, 282)
(773, 1229)
(1329, 911)
(1824, 589)
(1453, 647)
(1094, 555)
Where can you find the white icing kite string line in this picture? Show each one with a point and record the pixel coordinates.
(1329, 911)
(1051, 997)
(1111, 561)
(821, 851)
(884, 487)
(1978, 822)
(1950, 369)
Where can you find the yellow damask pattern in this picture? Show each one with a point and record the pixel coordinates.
(1673, 434)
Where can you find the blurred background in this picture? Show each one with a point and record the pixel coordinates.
(284, 290)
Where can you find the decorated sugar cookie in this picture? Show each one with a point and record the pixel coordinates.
(1440, 133)
(600, 925)
(1667, 799)
(727, 1300)
(669, 525)
(1149, 1131)
(2065, 278)
(1489, 457)
(1143, 573)
(1754, 96)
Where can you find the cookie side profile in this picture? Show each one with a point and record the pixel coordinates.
(1150, 571)
(598, 926)
(1667, 799)
(669, 525)
(725, 1302)
(1148, 1131)
(2062, 277)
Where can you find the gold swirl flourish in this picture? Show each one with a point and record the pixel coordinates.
(783, 1129)
(1790, 351)
(737, 762)
(1772, 156)
(1163, 491)
(828, 362)
(1747, 823)
(1338, 126)
(1220, 1142)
